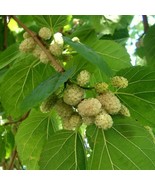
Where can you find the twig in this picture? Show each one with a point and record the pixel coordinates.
(54, 63)
(19, 161)
(17, 121)
(5, 44)
(13, 157)
(145, 23)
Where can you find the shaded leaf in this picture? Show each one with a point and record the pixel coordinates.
(63, 151)
(90, 55)
(126, 146)
(149, 47)
(2, 144)
(9, 55)
(46, 88)
(31, 136)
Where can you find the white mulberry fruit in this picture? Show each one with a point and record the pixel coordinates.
(37, 51)
(45, 33)
(89, 107)
(104, 121)
(27, 45)
(48, 104)
(73, 95)
(55, 49)
(58, 39)
(101, 87)
(119, 82)
(63, 109)
(72, 122)
(88, 120)
(124, 111)
(26, 35)
(83, 78)
(110, 102)
(43, 57)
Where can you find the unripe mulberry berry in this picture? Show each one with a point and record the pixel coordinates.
(48, 104)
(110, 102)
(45, 33)
(26, 35)
(104, 121)
(27, 45)
(88, 120)
(37, 51)
(55, 49)
(75, 39)
(124, 111)
(58, 39)
(72, 122)
(119, 82)
(63, 109)
(43, 57)
(101, 87)
(83, 78)
(89, 107)
(73, 95)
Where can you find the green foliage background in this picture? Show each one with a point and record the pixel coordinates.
(34, 140)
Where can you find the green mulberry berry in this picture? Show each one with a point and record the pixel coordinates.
(83, 78)
(73, 95)
(119, 82)
(101, 87)
(27, 45)
(45, 33)
(104, 121)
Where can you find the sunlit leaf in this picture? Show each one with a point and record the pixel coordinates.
(54, 22)
(31, 136)
(20, 80)
(139, 96)
(63, 151)
(126, 146)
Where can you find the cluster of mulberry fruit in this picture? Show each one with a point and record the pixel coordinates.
(54, 44)
(55, 47)
(75, 109)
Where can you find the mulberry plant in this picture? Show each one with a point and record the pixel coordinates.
(70, 96)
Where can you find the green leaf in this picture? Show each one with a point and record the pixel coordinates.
(9, 55)
(63, 151)
(113, 53)
(2, 144)
(54, 22)
(149, 47)
(90, 55)
(139, 96)
(126, 146)
(31, 136)
(85, 33)
(46, 88)
(20, 80)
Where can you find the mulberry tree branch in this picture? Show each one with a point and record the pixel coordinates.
(54, 63)
(13, 157)
(5, 44)
(145, 23)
